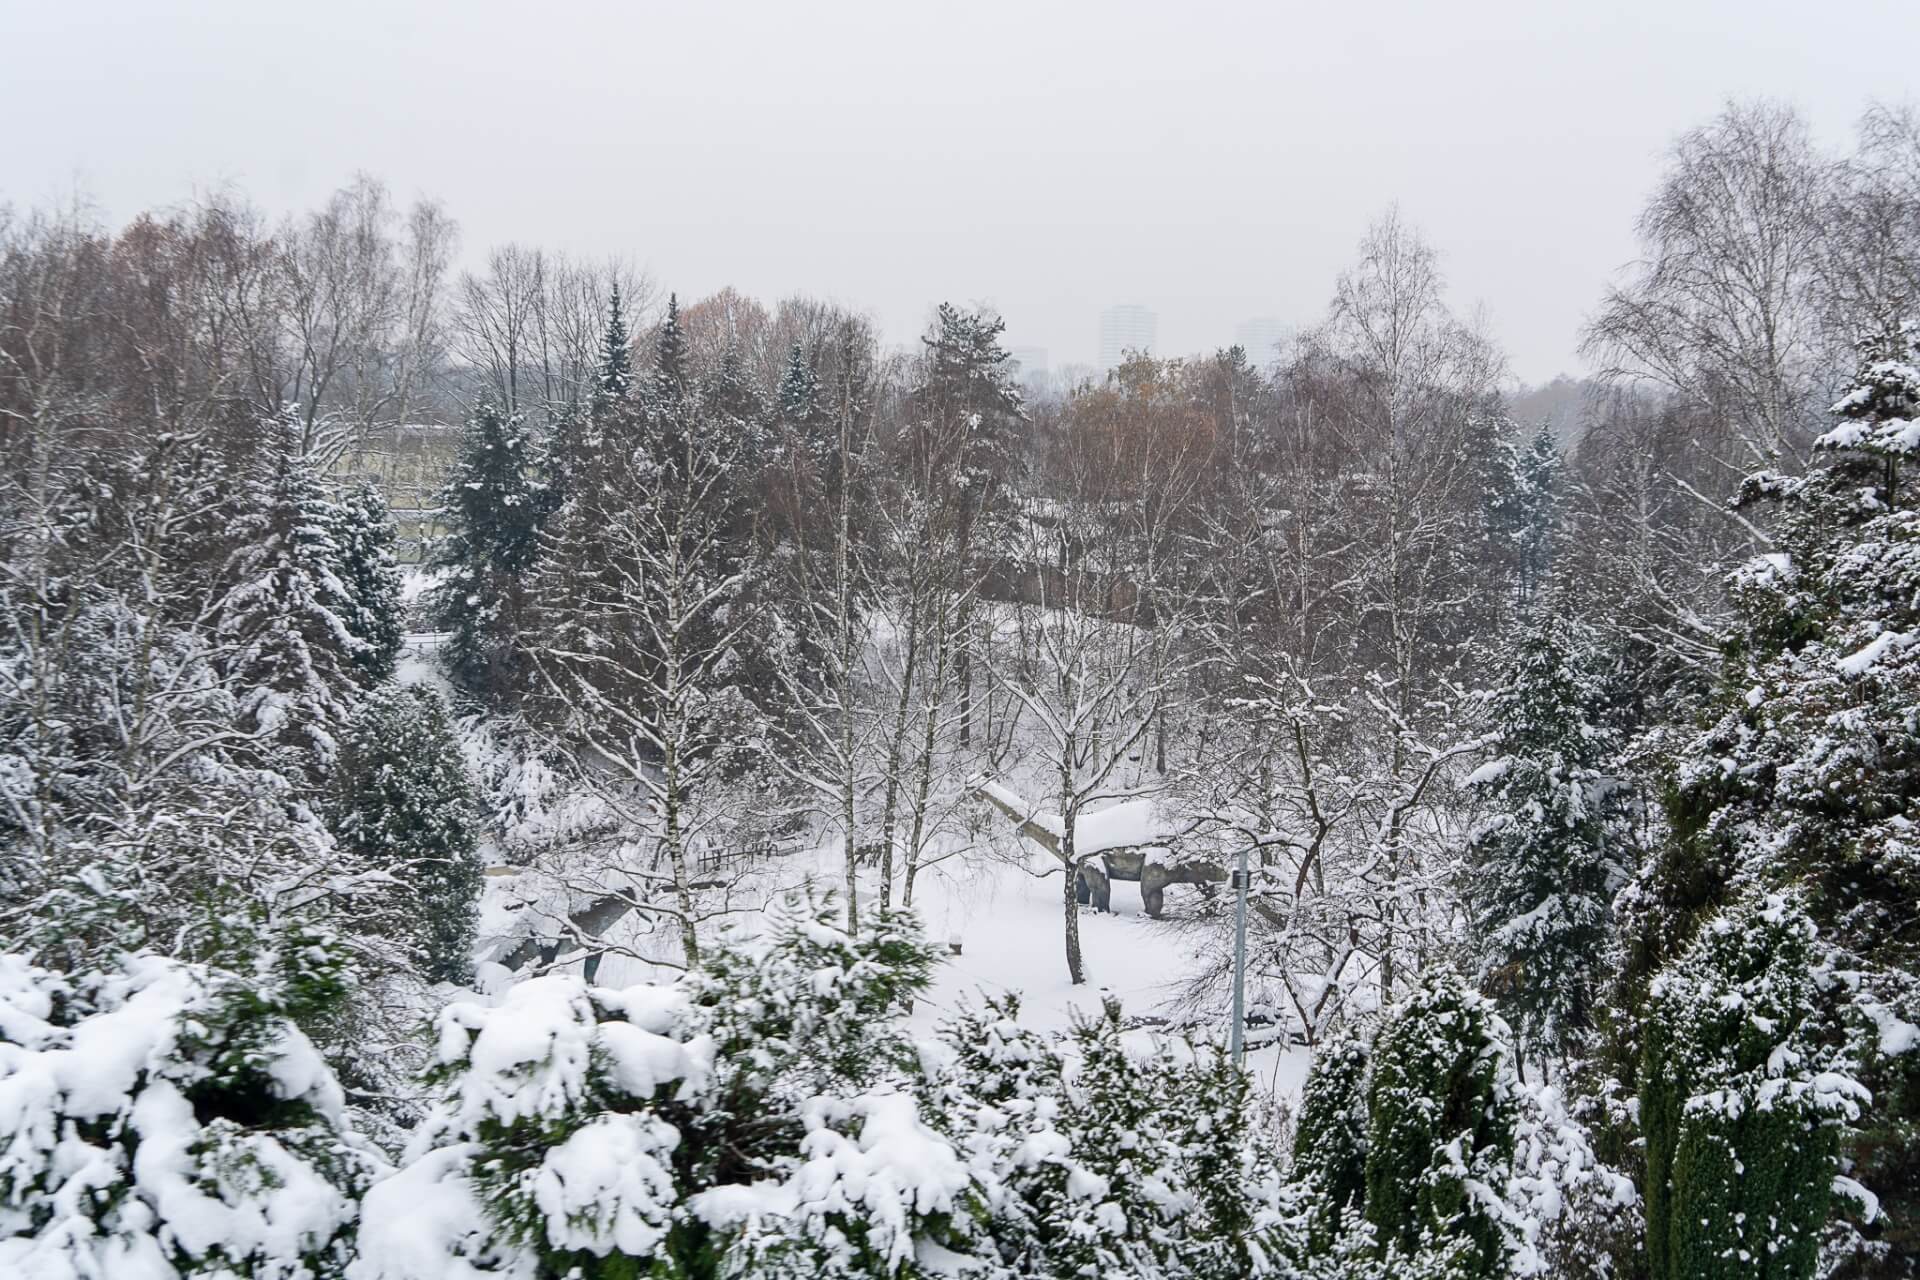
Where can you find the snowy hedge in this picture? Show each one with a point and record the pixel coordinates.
(749, 1118)
(766, 1115)
(168, 1120)
(1425, 1154)
(1742, 1099)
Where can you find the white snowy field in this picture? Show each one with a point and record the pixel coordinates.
(1007, 919)
(1009, 925)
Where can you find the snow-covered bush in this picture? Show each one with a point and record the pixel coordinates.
(1110, 1154)
(1424, 1154)
(1741, 1100)
(1440, 1134)
(1330, 1139)
(749, 1118)
(167, 1120)
(1563, 1212)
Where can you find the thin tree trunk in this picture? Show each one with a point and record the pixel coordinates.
(1076, 967)
(843, 608)
(963, 672)
(677, 850)
(925, 784)
(896, 740)
(1076, 971)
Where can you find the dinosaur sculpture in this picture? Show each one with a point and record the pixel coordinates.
(1093, 884)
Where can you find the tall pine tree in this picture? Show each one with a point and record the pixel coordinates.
(1542, 868)
(492, 505)
(286, 616)
(364, 537)
(402, 797)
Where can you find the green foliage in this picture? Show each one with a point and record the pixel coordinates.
(170, 1119)
(363, 539)
(293, 653)
(1806, 780)
(615, 378)
(402, 799)
(738, 1122)
(492, 505)
(1330, 1139)
(1523, 505)
(1440, 1120)
(1740, 1101)
(1543, 867)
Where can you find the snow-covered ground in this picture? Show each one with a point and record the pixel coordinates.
(1007, 919)
(1010, 927)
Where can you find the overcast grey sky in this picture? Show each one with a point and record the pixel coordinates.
(1214, 162)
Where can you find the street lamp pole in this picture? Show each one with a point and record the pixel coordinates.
(1237, 1033)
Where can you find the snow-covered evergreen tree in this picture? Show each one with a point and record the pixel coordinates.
(363, 538)
(1880, 414)
(402, 796)
(615, 378)
(1516, 1190)
(1440, 1135)
(1741, 1100)
(667, 393)
(1524, 505)
(1806, 782)
(797, 402)
(1543, 866)
(492, 507)
(571, 459)
(162, 1120)
(287, 615)
(1109, 1153)
(1330, 1140)
(750, 1119)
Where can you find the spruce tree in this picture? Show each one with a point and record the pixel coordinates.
(571, 460)
(1806, 782)
(1523, 508)
(1330, 1140)
(615, 377)
(1880, 414)
(364, 538)
(732, 403)
(798, 398)
(294, 653)
(492, 506)
(667, 394)
(402, 797)
(1542, 868)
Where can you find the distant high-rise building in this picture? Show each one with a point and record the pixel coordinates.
(1259, 336)
(1125, 328)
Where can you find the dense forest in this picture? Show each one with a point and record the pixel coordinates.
(473, 741)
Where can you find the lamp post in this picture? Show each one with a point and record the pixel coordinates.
(1237, 1033)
